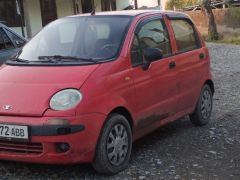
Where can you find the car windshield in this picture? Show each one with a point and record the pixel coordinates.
(86, 38)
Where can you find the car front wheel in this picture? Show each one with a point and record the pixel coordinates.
(114, 146)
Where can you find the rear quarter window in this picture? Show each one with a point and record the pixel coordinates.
(185, 34)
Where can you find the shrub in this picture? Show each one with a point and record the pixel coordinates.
(179, 4)
(232, 17)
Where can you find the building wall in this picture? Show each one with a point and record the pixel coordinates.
(33, 17)
(148, 3)
(98, 5)
(64, 8)
(163, 4)
(227, 26)
(121, 4)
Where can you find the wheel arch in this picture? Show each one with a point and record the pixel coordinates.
(211, 85)
(125, 112)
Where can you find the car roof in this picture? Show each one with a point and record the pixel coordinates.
(133, 13)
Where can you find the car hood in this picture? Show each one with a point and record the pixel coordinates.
(26, 90)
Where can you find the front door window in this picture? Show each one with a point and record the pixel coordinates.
(153, 34)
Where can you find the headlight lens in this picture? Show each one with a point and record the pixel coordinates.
(65, 99)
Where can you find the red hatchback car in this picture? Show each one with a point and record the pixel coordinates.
(85, 87)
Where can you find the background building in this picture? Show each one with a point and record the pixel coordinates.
(37, 13)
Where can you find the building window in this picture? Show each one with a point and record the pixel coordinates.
(87, 6)
(109, 5)
(8, 12)
(48, 11)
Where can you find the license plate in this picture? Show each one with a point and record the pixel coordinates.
(13, 131)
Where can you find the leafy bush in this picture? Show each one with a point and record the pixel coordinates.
(232, 17)
(234, 12)
(179, 4)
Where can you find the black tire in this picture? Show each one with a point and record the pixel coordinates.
(105, 161)
(202, 114)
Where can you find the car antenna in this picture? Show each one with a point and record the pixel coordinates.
(93, 13)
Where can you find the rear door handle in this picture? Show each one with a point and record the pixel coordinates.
(172, 65)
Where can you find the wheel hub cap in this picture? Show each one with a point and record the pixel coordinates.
(206, 104)
(117, 145)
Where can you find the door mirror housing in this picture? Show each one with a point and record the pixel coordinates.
(151, 54)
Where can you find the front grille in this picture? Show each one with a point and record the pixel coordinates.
(21, 147)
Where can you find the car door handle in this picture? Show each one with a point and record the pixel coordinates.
(172, 65)
(201, 55)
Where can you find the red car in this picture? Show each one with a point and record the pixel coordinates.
(85, 87)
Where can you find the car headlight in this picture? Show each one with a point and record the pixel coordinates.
(65, 99)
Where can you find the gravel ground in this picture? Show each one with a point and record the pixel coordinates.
(178, 150)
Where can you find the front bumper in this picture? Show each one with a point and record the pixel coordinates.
(81, 135)
(55, 130)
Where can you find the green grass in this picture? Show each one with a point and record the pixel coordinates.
(235, 41)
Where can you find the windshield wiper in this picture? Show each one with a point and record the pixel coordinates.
(20, 60)
(58, 58)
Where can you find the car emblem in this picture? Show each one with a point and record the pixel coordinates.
(7, 107)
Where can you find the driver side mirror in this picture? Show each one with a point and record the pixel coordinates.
(151, 55)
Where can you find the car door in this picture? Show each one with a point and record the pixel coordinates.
(7, 48)
(156, 87)
(189, 60)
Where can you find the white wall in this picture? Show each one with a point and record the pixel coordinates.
(79, 4)
(121, 4)
(34, 18)
(98, 4)
(163, 4)
(64, 8)
(148, 3)
(33, 15)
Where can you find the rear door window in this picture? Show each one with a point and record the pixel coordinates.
(185, 34)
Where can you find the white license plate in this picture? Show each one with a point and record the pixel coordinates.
(13, 131)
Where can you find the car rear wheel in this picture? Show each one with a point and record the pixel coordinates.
(114, 146)
(201, 115)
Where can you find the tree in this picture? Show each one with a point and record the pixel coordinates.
(206, 7)
(212, 27)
